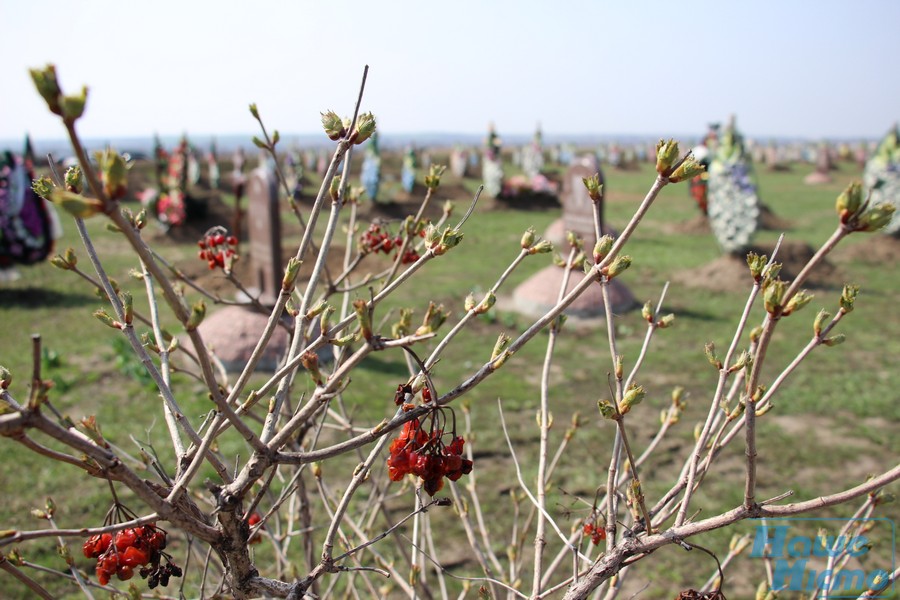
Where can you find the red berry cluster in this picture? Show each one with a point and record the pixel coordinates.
(426, 456)
(252, 521)
(217, 249)
(596, 532)
(375, 239)
(120, 553)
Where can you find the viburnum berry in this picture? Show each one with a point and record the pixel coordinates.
(121, 553)
(252, 521)
(595, 532)
(424, 454)
(218, 249)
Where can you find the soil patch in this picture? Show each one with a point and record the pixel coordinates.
(876, 249)
(730, 273)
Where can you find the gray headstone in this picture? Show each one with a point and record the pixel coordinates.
(264, 224)
(578, 208)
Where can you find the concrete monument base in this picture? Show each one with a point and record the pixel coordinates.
(231, 334)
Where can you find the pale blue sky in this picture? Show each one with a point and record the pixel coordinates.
(810, 69)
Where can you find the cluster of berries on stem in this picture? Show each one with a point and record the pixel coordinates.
(596, 532)
(218, 249)
(420, 449)
(376, 239)
(122, 552)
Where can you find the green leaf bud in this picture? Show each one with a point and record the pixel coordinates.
(333, 125)
(710, 350)
(73, 106)
(876, 217)
(594, 187)
(48, 87)
(618, 266)
(797, 301)
(527, 238)
(849, 201)
(848, 297)
(757, 265)
(647, 311)
(198, 312)
(773, 296)
(602, 248)
(666, 321)
(633, 396)
(835, 340)
(607, 410)
(688, 169)
(667, 153)
(43, 187)
(75, 204)
(433, 179)
(365, 127)
(499, 346)
(542, 247)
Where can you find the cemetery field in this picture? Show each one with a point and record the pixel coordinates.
(835, 422)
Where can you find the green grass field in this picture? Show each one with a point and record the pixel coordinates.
(835, 422)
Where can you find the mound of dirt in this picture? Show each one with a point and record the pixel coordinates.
(730, 273)
(699, 225)
(876, 249)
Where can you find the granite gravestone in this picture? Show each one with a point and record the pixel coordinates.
(264, 224)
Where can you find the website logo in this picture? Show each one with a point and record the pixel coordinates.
(836, 558)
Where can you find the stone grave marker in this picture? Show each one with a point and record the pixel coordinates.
(578, 208)
(264, 224)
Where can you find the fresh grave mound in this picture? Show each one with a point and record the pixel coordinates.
(699, 225)
(874, 249)
(730, 272)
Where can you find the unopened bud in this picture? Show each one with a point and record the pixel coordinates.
(835, 340)
(450, 238)
(290, 273)
(198, 312)
(76, 205)
(254, 111)
(325, 319)
(797, 301)
(365, 127)
(259, 143)
(876, 217)
(48, 87)
(433, 179)
(127, 306)
(334, 189)
(434, 318)
(6, 378)
(688, 169)
(113, 173)
(849, 201)
(848, 297)
(594, 187)
(317, 309)
(469, 304)
(73, 106)
(527, 238)
(602, 248)
(822, 316)
(364, 318)
(43, 187)
(607, 410)
(710, 350)
(773, 296)
(403, 325)
(499, 346)
(755, 333)
(744, 360)
(647, 311)
(666, 321)
(102, 316)
(757, 265)
(542, 247)
(619, 367)
(310, 362)
(633, 396)
(667, 153)
(618, 266)
(333, 125)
